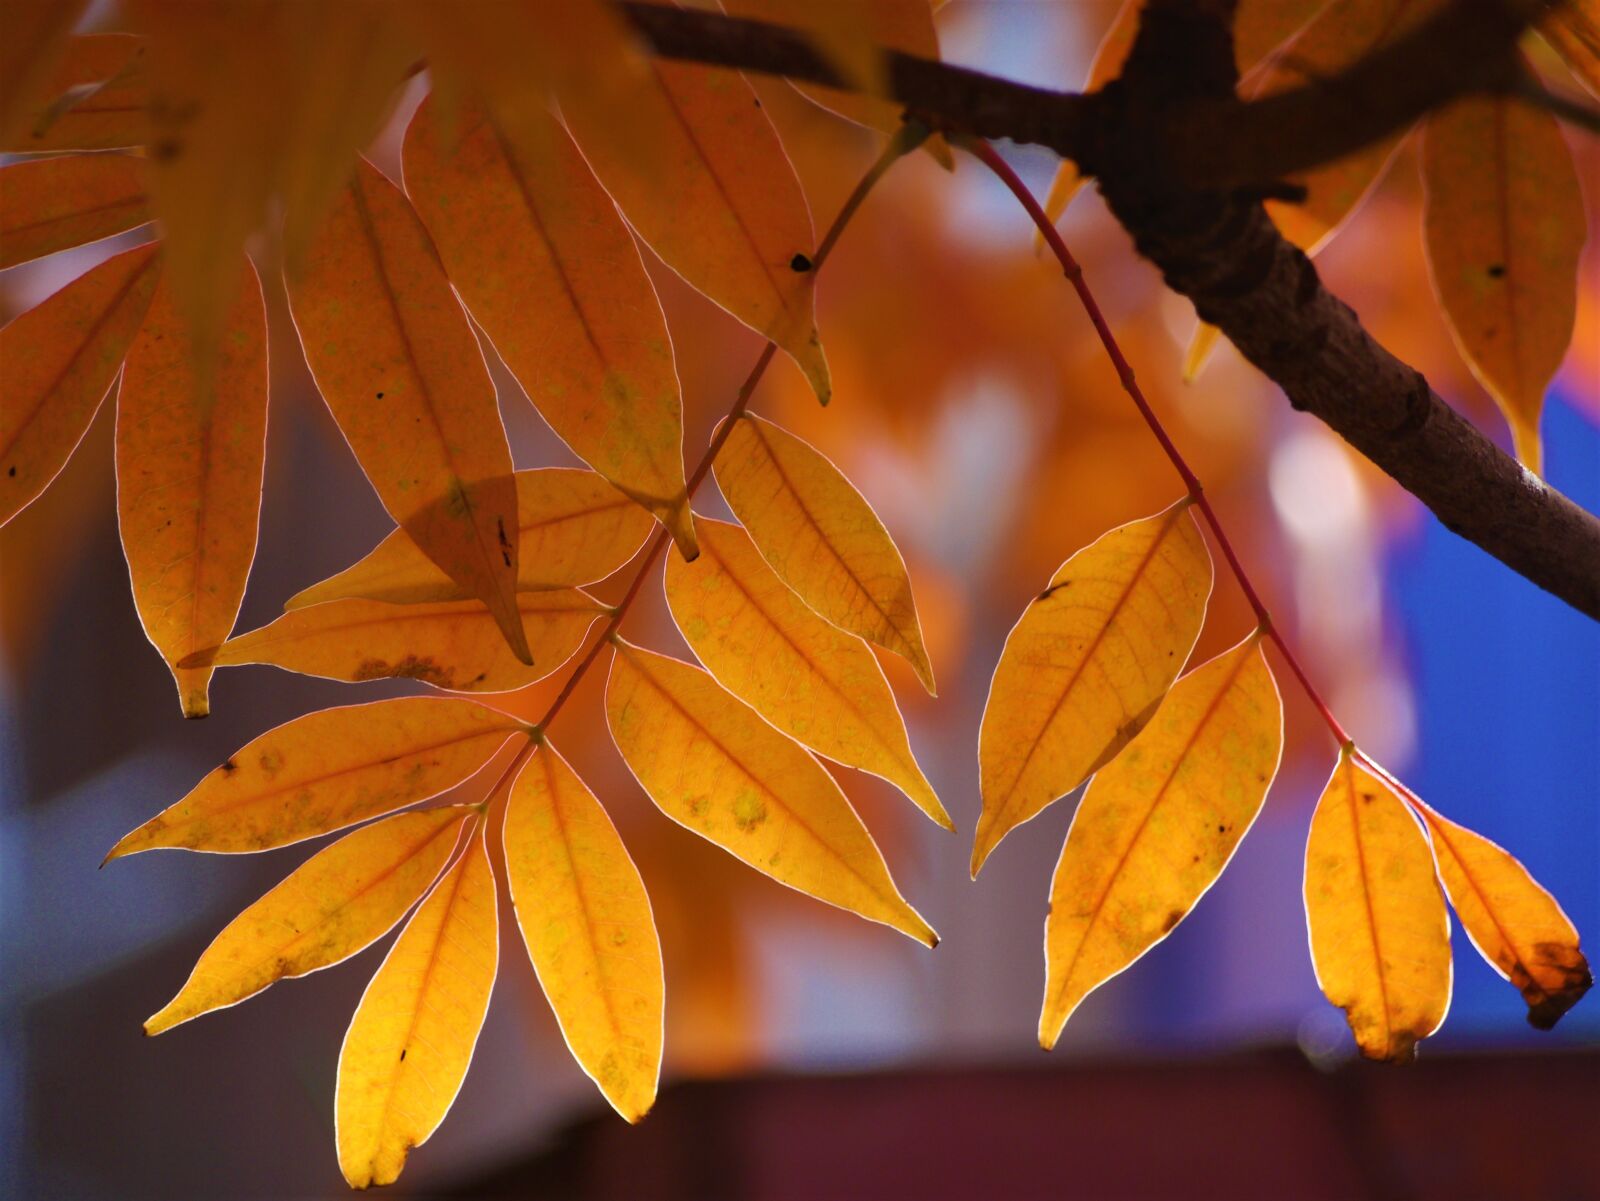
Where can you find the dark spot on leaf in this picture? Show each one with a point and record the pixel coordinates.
(1497, 270)
(1054, 588)
(164, 150)
(1173, 919)
(800, 263)
(402, 1054)
(12, 472)
(380, 395)
(230, 766)
(411, 667)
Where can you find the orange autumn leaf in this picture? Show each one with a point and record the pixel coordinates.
(573, 528)
(51, 204)
(713, 766)
(412, 1037)
(1106, 65)
(1573, 28)
(587, 923)
(1515, 924)
(821, 536)
(547, 267)
(1380, 936)
(398, 365)
(454, 645)
(97, 98)
(32, 36)
(1201, 345)
(699, 172)
(1505, 225)
(189, 463)
(340, 901)
(328, 770)
(1086, 665)
(60, 358)
(812, 680)
(1159, 824)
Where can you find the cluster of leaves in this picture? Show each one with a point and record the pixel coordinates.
(1504, 217)
(253, 120)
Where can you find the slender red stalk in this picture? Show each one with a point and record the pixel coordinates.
(1074, 273)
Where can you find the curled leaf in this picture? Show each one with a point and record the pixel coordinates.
(587, 923)
(341, 900)
(821, 536)
(713, 766)
(328, 770)
(1380, 936)
(1086, 665)
(1159, 824)
(412, 1037)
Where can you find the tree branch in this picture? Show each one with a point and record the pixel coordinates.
(1182, 163)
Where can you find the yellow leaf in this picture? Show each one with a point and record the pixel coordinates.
(1201, 344)
(1515, 924)
(1158, 825)
(50, 204)
(586, 920)
(714, 195)
(396, 361)
(189, 461)
(1106, 65)
(1573, 28)
(60, 358)
(412, 1037)
(809, 678)
(96, 99)
(454, 645)
(1505, 226)
(1380, 936)
(573, 528)
(32, 37)
(340, 901)
(546, 265)
(821, 536)
(714, 767)
(328, 770)
(1086, 665)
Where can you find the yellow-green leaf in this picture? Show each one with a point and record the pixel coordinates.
(341, 900)
(189, 459)
(1505, 226)
(1380, 936)
(396, 361)
(1515, 924)
(713, 766)
(573, 528)
(412, 1037)
(821, 536)
(1086, 665)
(328, 770)
(51, 204)
(546, 265)
(587, 923)
(454, 645)
(809, 678)
(1158, 825)
(60, 358)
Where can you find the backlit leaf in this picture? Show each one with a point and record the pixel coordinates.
(1201, 344)
(50, 204)
(1515, 924)
(714, 195)
(1505, 226)
(1086, 665)
(328, 770)
(1573, 28)
(713, 766)
(573, 528)
(587, 923)
(454, 645)
(189, 462)
(412, 1037)
(546, 265)
(60, 358)
(341, 900)
(1158, 824)
(1106, 65)
(821, 536)
(97, 98)
(809, 678)
(32, 34)
(397, 363)
(1380, 936)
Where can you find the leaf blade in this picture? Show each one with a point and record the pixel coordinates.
(51, 204)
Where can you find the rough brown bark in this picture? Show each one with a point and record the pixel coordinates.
(1198, 217)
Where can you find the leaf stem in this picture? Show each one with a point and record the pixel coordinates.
(986, 154)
